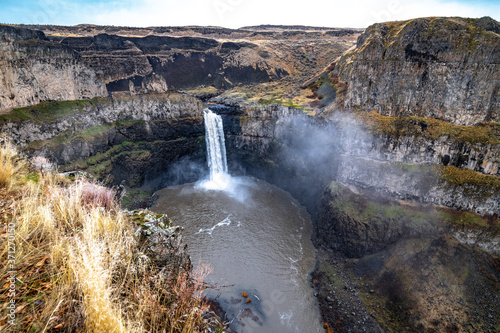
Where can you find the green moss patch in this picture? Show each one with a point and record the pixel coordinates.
(280, 92)
(100, 165)
(47, 112)
(272, 100)
(472, 183)
(50, 111)
(369, 209)
(465, 177)
(462, 220)
(87, 135)
(141, 216)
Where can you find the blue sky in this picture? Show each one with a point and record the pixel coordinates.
(237, 13)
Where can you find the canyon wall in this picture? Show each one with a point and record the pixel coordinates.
(186, 62)
(281, 144)
(303, 154)
(129, 139)
(34, 69)
(443, 68)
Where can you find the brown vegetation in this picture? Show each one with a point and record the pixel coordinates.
(486, 133)
(79, 265)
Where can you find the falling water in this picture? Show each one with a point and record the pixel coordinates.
(216, 153)
(216, 148)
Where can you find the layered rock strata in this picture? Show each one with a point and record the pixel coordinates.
(34, 69)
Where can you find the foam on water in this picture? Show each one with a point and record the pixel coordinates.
(226, 221)
(219, 178)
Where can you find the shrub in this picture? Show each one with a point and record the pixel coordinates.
(41, 163)
(94, 195)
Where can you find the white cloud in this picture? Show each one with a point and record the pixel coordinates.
(238, 13)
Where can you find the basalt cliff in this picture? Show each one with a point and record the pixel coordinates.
(34, 69)
(443, 68)
(390, 138)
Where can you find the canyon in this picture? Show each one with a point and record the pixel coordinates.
(388, 136)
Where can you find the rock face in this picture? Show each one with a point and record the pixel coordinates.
(134, 139)
(480, 157)
(182, 62)
(76, 117)
(155, 83)
(282, 145)
(357, 224)
(417, 183)
(33, 69)
(194, 57)
(445, 68)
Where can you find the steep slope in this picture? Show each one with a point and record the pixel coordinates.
(33, 69)
(444, 68)
(121, 139)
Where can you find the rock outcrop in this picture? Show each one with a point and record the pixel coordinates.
(34, 69)
(71, 117)
(444, 68)
(359, 224)
(182, 62)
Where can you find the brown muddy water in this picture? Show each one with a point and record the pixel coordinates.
(257, 239)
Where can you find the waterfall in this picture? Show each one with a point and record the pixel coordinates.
(216, 152)
(216, 147)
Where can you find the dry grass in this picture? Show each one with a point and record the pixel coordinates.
(484, 133)
(9, 163)
(81, 268)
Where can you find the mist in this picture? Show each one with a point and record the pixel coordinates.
(187, 169)
(310, 153)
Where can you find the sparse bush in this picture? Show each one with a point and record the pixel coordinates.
(41, 163)
(94, 195)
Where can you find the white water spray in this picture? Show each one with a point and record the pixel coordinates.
(220, 179)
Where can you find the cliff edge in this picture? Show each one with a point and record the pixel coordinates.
(443, 68)
(34, 69)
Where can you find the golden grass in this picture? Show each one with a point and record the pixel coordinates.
(9, 163)
(485, 133)
(80, 267)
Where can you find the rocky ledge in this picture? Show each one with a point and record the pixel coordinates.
(129, 139)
